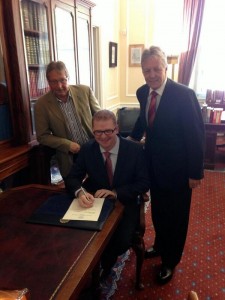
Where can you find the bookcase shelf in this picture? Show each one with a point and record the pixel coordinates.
(35, 66)
(35, 32)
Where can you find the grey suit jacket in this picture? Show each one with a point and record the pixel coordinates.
(51, 127)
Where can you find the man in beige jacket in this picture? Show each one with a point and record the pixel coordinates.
(63, 116)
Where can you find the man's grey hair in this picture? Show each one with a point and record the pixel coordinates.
(58, 66)
(154, 51)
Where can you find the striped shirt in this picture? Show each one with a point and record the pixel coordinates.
(74, 125)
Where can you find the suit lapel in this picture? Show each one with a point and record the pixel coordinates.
(144, 96)
(54, 107)
(163, 101)
(120, 162)
(77, 103)
(100, 165)
(143, 102)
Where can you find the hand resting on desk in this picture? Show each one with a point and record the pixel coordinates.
(103, 193)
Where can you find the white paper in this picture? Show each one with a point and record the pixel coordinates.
(76, 212)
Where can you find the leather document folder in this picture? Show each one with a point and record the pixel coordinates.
(53, 209)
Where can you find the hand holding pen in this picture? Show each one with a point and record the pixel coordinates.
(85, 199)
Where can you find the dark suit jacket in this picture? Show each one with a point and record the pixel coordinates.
(175, 144)
(130, 177)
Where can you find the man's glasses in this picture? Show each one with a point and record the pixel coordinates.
(56, 82)
(106, 132)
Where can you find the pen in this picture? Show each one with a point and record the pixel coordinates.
(84, 193)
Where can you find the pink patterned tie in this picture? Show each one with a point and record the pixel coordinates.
(152, 108)
(108, 164)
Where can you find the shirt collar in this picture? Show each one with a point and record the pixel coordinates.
(68, 98)
(115, 149)
(160, 90)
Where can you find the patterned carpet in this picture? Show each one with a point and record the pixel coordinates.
(203, 263)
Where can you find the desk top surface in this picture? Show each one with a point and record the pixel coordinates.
(52, 262)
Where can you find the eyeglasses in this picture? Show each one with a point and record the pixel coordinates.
(106, 132)
(56, 82)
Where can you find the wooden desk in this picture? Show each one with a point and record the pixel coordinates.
(211, 131)
(13, 159)
(52, 262)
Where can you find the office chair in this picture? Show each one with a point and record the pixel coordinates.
(126, 118)
(138, 244)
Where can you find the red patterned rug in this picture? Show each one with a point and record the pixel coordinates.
(202, 267)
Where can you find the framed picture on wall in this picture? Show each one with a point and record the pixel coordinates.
(112, 54)
(135, 52)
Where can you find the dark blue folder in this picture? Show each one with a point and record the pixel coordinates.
(52, 211)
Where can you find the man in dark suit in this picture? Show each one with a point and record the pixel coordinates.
(129, 179)
(174, 150)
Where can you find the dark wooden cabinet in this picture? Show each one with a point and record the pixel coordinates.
(211, 131)
(32, 33)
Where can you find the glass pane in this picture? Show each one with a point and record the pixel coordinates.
(36, 39)
(65, 40)
(5, 121)
(84, 51)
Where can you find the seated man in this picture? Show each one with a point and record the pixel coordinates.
(128, 179)
(63, 116)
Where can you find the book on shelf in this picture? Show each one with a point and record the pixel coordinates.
(35, 14)
(27, 43)
(43, 19)
(217, 115)
(25, 14)
(38, 83)
(30, 15)
(33, 83)
(214, 115)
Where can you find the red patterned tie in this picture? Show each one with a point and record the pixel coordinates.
(108, 164)
(152, 108)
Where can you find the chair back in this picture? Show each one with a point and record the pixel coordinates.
(126, 118)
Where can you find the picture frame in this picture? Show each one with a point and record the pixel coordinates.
(112, 54)
(135, 52)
